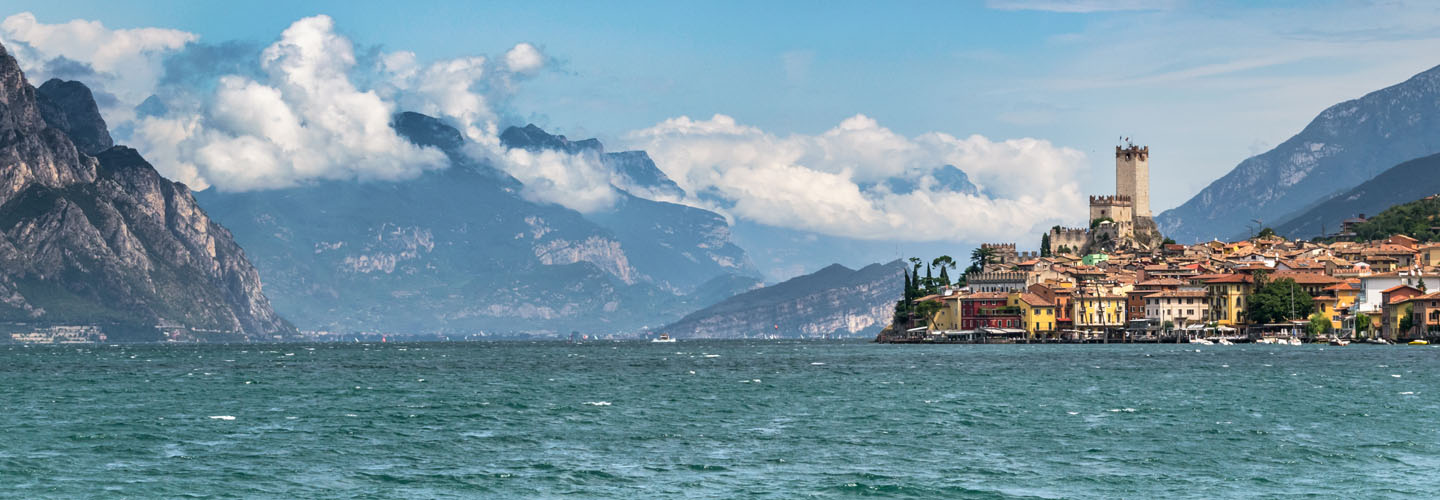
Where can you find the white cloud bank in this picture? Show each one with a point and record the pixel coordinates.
(814, 182)
(126, 63)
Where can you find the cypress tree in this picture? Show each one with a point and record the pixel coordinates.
(944, 276)
(1045, 245)
(929, 280)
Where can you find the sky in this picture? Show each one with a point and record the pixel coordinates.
(782, 113)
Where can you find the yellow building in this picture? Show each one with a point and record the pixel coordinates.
(1227, 297)
(947, 317)
(1098, 312)
(1336, 298)
(1037, 314)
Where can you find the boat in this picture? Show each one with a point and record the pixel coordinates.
(664, 337)
(1201, 342)
(1294, 341)
(1419, 342)
(1226, 342)
(1377, 341)
(1339, 342)
(1266, 340)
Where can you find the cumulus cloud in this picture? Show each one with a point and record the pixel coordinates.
(305, 120)
(125, 63)
(830, 183)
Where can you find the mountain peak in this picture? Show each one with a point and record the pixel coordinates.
(70, 107)
(533, 138)
(424, 130)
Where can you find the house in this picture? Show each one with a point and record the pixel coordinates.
(1426, 315)
(1180, 307)
(1099, 312)
(1396, 300)
(1227, 293)
(1037, 314)
(988, 310)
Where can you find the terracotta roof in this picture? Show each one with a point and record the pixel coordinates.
(1305, 278)
(1035, 300)
(1179, 294)
(1323, 297)
(1161, 282)
(1397, 287)
(1231, 278)
(986, 296)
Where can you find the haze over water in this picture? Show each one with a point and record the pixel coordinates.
(725, 419)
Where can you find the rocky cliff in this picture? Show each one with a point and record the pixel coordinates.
(1345, 145)
(105, 239)
(832, 301)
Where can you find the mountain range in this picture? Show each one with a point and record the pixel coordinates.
(91, 234)
(1346, 145)
(460, 251)
(1402, 183)
(832, 301)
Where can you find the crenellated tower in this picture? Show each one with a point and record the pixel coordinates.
(1132, 177)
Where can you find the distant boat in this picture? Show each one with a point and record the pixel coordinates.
(1202, 342)
(1339, 342)
(1226, 342)
(1377, 341)
(664, 337)
(1294, 341)
(1419, 342)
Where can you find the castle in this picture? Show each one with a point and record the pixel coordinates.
(1121, 219)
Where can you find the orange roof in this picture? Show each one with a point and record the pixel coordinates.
(1305, 278)
(1035, 300)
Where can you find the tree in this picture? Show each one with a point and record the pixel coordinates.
(1045, 245)
(943, 262)
(979, 258)
(1362, 324)
(1421, 284)
(1167, 325)
(1319, 324)
(1096, 222)
(1407, 320)
(1168, 241)
(1277, 301)
(1265, 233)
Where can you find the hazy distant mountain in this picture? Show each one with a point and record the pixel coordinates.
(1403, 183)
(459, 251)
(834, 300)
(105, 239)
(1346, 145)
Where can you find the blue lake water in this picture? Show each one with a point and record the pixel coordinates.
(717, 419)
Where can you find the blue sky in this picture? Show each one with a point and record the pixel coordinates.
(1205, 84)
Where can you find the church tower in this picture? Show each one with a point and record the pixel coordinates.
(1132, 177)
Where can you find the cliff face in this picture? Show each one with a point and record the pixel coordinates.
(105, 239)
(1344, 146)
(832, 301)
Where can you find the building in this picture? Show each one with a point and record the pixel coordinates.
(988, 310)
(1397, 302)
(1119, 209)
(997, 281)
(1227, 294)
(1037, 314)
(1180, 307)
(1132, 177)
(1099, 312)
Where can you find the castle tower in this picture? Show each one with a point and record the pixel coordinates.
(1132, 177)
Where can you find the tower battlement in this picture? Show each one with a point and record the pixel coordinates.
(1114, 201)
(1139, 152)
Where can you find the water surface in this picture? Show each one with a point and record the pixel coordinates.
(717, 419)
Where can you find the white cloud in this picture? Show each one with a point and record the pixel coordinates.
(814, 183)
(127, 62)
(524, 59)
(308, 120)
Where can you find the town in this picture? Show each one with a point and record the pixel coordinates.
(1120, 280)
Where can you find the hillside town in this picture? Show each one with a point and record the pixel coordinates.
(1120, 281)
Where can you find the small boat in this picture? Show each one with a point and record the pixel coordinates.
(1339, 342)
(1226, 342)
(1419, 342)
(1201, 342)
(664, 337)
(1266, 340)
(1294, 341)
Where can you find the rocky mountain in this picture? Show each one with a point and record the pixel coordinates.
(104, 239)
(1345, 145)
(832, 301)
(1407, 181)
(460, 251)
(1416, 219)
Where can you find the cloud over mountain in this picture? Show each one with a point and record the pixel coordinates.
(833, 183)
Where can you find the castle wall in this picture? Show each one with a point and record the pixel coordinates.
(1069, 237)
